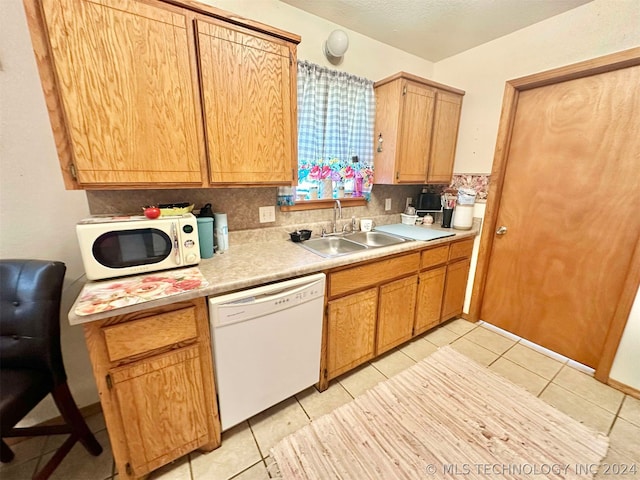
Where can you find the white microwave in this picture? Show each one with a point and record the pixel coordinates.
(127, 245)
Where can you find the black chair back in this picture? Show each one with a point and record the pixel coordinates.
(30, 292)
(31, 365)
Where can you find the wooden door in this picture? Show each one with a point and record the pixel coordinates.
(429, 302)
(163, 407)
(128, 91)
(249, 96)
(351, 329)
(415, 133)
(396, 313)
(569, 202)
(444, 137)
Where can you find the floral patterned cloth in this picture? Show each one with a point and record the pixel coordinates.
(478, 182)
(111, 294)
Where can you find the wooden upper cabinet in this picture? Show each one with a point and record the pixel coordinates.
(249, 96)
(445, 136)
(417, 120)
(126, 90)
(416, 123)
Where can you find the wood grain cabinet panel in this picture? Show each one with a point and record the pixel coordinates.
(169, 328)
(417, 119)
(249, 95)
(154, 372)
(445, 136)
(351, 329)
(461, 249)
(126, 86)
(163, 407)
(378, 305)
(396, 313)
(429, 299)
(455, 288)
(434, 256)
(127, 82)
(363, 276)
(416, 124)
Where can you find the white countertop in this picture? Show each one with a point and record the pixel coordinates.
(257, 263)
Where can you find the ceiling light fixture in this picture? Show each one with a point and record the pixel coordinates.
(336, 45)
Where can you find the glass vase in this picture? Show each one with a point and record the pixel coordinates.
(326, 188)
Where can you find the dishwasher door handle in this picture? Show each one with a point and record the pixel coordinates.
(268, 297)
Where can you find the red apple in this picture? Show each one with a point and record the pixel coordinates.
(151, 212)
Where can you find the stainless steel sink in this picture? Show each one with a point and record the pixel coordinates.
(332, 246)
(375, 239)
(350, 243)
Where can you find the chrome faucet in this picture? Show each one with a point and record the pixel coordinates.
(337, 214)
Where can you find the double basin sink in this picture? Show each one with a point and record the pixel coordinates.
(334, 246)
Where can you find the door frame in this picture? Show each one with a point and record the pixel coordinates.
(607, 63)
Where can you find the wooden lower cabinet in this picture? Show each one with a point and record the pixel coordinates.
(396, 313)
(375, 306)
(154, 373)
(429, 299)
(455, 289)
(351, 329)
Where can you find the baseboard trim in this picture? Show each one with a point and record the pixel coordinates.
(86, 411)
(632, 392)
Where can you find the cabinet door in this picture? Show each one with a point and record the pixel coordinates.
(444, 137)
(128, 91)
(351, 328)
(429, 302)
(163, 407)
(415, 133)
(396, 313)
(455, 289)
(249, 95)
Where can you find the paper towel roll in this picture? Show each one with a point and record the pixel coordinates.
(221, 232)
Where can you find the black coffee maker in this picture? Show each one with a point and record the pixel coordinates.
(428, 202)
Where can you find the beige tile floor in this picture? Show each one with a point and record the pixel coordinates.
(244, 454)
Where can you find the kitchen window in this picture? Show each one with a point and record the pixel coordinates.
(336, 115)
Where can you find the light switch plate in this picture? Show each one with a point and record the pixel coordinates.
(267, 214)
(409, 202)
(387, 204)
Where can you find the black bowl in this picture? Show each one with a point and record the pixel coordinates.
(300, 235)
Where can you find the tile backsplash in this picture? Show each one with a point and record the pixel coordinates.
(241, 204)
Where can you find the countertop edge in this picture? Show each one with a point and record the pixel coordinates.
(289, 264)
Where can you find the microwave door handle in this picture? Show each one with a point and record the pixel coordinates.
(176, 245)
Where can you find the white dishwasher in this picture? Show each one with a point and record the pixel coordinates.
(266, 345)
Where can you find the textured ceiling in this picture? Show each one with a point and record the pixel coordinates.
(435, 29)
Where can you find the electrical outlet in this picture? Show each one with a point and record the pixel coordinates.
(267, 214)
(387, 204)
(409, 202)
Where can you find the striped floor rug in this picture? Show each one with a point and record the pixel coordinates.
(445, 417)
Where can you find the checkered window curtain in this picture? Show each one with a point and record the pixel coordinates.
(336, 114)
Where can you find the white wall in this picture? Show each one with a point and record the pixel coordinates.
(366, 57)
(591, 30)
(625, 367)
(597, 28)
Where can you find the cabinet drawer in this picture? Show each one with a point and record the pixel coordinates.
(371, 274)
(434, 256)
(461, 249)
(146, 334)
